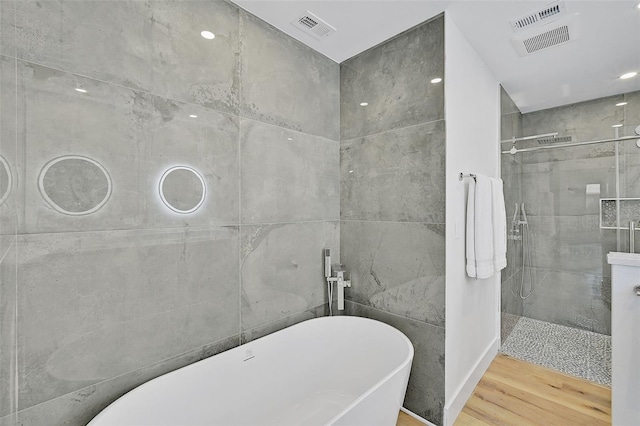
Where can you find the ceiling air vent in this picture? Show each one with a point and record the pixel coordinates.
(314, 26)
(549, 14)
(546, 40)
(561, 32)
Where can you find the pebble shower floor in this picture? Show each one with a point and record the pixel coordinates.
(569, 350)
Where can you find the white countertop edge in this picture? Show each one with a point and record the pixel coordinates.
(627, 259)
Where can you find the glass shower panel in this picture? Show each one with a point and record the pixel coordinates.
(629, 181)
(561, 190)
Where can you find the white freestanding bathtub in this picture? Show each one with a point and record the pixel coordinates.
(324, 371)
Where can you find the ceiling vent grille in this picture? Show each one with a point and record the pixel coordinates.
(559, 33)
(313, 25)
(547, 40)
(543, 16)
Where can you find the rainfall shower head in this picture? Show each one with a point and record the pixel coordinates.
(546, 141)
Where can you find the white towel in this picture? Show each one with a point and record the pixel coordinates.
(480, 258)
(499, 215)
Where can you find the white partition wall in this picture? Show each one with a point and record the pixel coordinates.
(472, 306)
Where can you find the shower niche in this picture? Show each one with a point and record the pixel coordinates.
(629, 211)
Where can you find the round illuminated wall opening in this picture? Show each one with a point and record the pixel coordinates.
(6, 180)
(75, 185)
(182, 189)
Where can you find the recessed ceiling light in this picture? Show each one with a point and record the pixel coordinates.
(208, 35)
(638, 6)
(364, 103)
(436, 80)
(193, 116)
(628, 75)
(621, 103)
(80, 90)
(289, 139)
(617, 125)
(350, 171)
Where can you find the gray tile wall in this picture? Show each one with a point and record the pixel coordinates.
(94, 305)
(571, 276)
(392, 207)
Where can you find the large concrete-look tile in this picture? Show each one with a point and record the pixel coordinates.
(394, 78)
(395, 176)
(207, 143)
(583, 121)
(8, 331)
(272, 327)
(571, 299)
(511, 173)
(8, 155)
(282, 269)
(107, 124)
(287, 83)
(96, 305)
(288, 176)
(567, 243)
(396, 267)
(80, 406)
(511, 291)
(425, 393)
(7, 28)
(510, 117)
(630, 169)
(559, 188)
(632, 109)
(136, 137)
(153, 46)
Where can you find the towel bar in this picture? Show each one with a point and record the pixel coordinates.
(462, 175)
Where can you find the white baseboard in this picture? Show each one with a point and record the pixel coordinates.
(464, 392)
(417, 417)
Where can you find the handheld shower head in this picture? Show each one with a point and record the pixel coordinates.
(514, 221)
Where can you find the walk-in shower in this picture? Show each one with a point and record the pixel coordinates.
(572, 186)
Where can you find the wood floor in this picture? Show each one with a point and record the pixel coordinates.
(517, 393)
(406, 420)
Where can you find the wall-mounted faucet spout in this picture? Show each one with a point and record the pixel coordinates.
(339, 279)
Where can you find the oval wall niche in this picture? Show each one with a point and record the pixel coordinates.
(6, 180)
(182, 189)
(75, 185)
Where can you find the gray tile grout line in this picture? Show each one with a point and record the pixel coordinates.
(390, 130)
(395, 315)
(282, 319)
(240, 48)
(178, 228)
(16, 380)
(239, 115)
(392, 221)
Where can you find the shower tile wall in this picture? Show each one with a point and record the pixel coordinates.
(511, 171)
(108, 300)
(392, 198)
(572, 283)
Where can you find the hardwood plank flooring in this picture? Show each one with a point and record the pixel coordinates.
(406, 420)
(517, 393)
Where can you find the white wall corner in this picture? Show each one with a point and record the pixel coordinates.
(464, 392)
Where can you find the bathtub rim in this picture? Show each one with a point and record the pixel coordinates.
(407, 360)
(387, 377)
